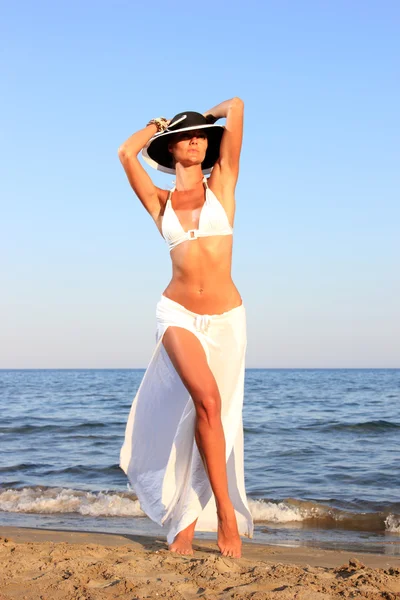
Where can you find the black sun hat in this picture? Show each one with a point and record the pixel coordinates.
(156, 152)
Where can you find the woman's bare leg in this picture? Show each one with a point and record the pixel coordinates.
(189, 359)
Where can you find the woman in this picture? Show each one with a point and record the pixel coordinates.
(183, 449)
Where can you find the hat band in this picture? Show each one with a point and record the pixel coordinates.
(177, 121)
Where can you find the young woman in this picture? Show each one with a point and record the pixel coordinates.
(183, 448)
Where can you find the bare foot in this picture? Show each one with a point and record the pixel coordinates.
(229, 541)
(182, 543)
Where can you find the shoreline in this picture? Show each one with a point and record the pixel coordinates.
(250, 549)
(79, 565)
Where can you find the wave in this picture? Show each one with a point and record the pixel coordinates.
(53, 427)
(392, 523)
(376, 426)
(87, 470)
(272, 512)
(52, 500)
(313, 514)
(65, 500)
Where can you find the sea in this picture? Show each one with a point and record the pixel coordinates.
(322, 455)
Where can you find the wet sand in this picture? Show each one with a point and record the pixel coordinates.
(45, 564)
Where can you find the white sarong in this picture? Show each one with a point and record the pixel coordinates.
(160, 454)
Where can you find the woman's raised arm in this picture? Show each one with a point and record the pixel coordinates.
(142, 185)
(231, 142)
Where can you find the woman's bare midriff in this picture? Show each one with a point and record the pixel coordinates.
(201, 276)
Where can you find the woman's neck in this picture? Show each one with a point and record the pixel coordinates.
(188, 178)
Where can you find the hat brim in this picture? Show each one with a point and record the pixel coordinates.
(157, 155)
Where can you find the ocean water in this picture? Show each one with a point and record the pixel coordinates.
(322, 454)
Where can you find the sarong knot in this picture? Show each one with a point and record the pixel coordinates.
(202, 322)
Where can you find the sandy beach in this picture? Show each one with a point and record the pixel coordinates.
(45, 565)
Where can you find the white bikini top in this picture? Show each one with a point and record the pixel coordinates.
(213, 221)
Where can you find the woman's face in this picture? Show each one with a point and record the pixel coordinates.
(189, 147)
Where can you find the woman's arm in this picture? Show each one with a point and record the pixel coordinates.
(140, 181)
(231, 142)
(221, 110)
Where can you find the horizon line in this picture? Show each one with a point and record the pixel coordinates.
(247, 368)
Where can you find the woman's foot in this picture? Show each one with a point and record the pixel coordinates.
(229, 541)
(182, 543)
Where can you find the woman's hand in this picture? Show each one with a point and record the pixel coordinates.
(221, 110)
(210, 119)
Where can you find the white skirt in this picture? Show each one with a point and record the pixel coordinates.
(160, 454)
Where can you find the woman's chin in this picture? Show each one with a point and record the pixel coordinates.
(191, 162)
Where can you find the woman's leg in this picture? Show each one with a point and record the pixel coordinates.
(188, 357)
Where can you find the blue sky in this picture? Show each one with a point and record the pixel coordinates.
(316, 247)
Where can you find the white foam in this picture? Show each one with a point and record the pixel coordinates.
(392, 524)
(64, 500)
(111, 504)
(274, 513)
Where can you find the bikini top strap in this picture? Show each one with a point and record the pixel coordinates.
(170, 191)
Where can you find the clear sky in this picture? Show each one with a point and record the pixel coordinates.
(317, 244)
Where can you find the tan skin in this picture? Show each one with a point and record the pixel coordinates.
(201, 281)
